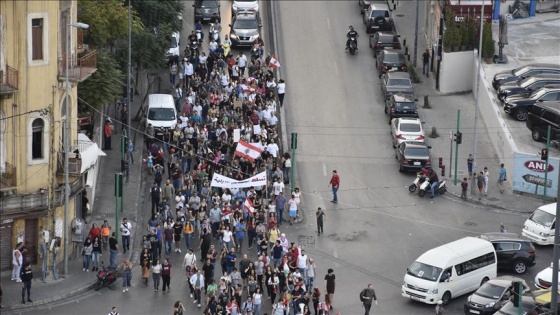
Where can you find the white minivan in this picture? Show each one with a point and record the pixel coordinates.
(161, 113)
(450, 270)
(541, 224)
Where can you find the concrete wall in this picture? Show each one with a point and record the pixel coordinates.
(456, 72)
(498, 131)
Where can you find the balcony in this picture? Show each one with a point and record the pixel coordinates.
(74, 163)
(8, 179)
(80, 69)
(8, 81)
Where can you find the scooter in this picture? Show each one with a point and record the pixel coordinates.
(194, 48)
(425, 188)
(213, 33)
(106, 276)
(418, 181)
(353, 45)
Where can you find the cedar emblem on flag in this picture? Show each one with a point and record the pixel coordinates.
(248, 151)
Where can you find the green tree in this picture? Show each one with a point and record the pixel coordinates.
(102, 87)
(155, 13)
(488, 43)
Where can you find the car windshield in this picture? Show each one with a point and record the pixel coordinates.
(207, 4)
(542, 217)
(399, 82)
(421, 152)
(423, 271)
(527, 82)
(406, 106)
(382, 13)
(386, 38)
(161, 114)
(394, 58)
(490, 291)
(245, 24)
(517, 72)
(410, 127)
(173, 42)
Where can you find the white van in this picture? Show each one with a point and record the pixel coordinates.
(450, 270)
(541, 224)
(161, 113)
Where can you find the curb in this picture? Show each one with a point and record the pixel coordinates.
(50, 300)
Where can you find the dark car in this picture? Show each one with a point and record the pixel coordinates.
(390, 60)
(513, 252)
(383, 40)
(527, 86)
(396, 83)
(364, 4)
(377, 18)
(245, 29)
(541, 116)
(524, 72)
(492, 295)
(401, 105)
(204, 10)
(412, 156)
(528, 307)
(519, 106)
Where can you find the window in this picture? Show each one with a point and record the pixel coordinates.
(475, 263)
(552, 96)
(37, 39)
(37, 139)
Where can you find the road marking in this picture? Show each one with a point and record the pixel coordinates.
(324, 169)
(336, 68)
(329, 23)
(335, 253)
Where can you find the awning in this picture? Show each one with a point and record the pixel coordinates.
(89, 151)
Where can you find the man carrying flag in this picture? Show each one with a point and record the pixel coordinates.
(248, 151)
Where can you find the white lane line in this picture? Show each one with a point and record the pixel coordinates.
(336, 68)
(329, 23)
(324, 169)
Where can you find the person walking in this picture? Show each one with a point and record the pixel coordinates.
(125, 232)
(502, 177)
(105, 233)
(127, 275)
(334, 183)
(426, 63)
(108, 132)
(470, 162)
(166, 274)
(130, 150)
(96, 253)
(178, 308)
(26, 277)
(486, 176)
(17, 261)
(320, 214)
(156, 274)
(197, 281)
(281, 91)
(114, 311)
(113, 249)
(368, 297)
(480, 184)
(439, 308)
(330, 286)
(464, 186)
(86, 254)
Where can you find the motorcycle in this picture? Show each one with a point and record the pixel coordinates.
(106, 276)
(194, 48)
(255, 54)
(213, 33)
(425, 188)
(353, 45)
(418, 181)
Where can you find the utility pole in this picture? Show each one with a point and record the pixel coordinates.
(477, 97)
(554, 292)
(118, 196)
(458, 140)
(128, 72)
(546, 163)
(416, 34)
(294, 147)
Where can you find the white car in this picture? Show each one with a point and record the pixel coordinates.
(174, 49)
(543, 279)
(244, 5)
(407, 129)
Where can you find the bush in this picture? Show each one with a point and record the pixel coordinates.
(488, 43)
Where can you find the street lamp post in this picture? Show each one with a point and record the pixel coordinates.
(67, 140)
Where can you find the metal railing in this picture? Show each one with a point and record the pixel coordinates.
(80, 68)
(9, 77)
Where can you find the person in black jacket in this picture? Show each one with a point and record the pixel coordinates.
(26, 278)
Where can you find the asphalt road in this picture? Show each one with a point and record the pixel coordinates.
(377, 229)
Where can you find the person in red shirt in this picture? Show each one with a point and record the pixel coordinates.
(335, 183)
(107, 132)
(95, 231)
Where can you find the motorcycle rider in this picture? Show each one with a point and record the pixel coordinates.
(351, 33)
(192, 37)
(434, 181)
(198, 27)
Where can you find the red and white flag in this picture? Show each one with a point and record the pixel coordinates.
(274, 63)
(248, 151)
(248, 205)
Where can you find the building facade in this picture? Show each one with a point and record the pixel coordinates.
(34, 38)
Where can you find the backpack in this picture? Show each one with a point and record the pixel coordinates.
(362, 294)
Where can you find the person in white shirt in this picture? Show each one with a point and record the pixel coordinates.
(125, 233)
(273, 119)
(278, 187)
(225, 79)
(273, 148)
(213, 45)
(184, 120)
(302, 264)
(202, 59)
(242, 63)
(197, 281)
(189, 71)
(310, 274)
(281, 91)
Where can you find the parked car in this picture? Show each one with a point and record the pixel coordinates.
(174, 47)
(541, 116)
(204, 10)
(407, 129)
(390, 60)
(528, 307)
(244, 5)
(524, 72)
(519, 106)
(377, 17)
(401, 105)
(492, 295)
(544, 298)
(543, 279)
(513, 252)
(364, 4)
(527, 86)
(413, 156)
(396, 83)
(383, 40)
(245, 29)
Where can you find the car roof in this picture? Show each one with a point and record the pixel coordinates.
(415, 145)
(392, 51)
(386, 33)
(246, 15)
(498, 236)
(550, 208)
(403, 98)
(542, 65)
(398, 75)
(506, 282)
(379, 6)
(410, 120)
(440, 256)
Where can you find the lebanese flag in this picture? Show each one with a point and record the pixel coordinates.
(274, 63)
(248, 205)
(248, 151)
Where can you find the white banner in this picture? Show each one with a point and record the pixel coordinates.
(226, 182)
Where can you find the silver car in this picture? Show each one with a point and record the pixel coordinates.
(407, 129)
(245, 29)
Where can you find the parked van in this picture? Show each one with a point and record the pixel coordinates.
(450, 270)
(161, 113)
(540, 225)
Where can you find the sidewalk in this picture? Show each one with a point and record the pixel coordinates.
(78, 281)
